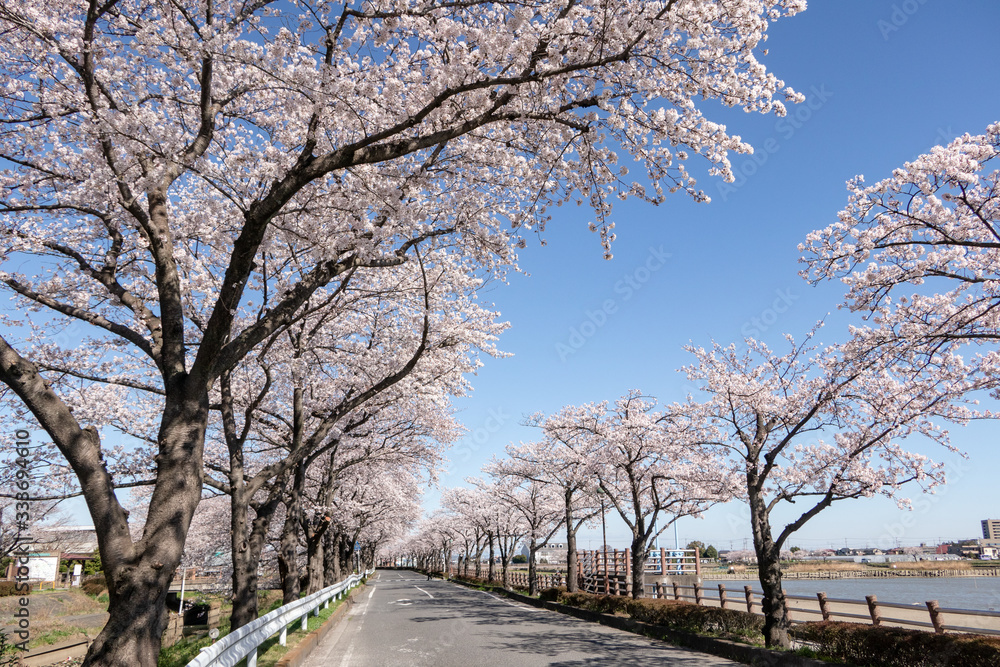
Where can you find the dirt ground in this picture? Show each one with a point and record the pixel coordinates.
(72, 613)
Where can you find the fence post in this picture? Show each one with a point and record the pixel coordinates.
(663, 561)
(607, 585)
(697, 593)
(697, 562)
(824, 607)
(784, 603)
(658, 590)
(677, 592)
(283, 638)
(873, 610)
(305, 623)
(749, 593)
(936, 616)
(722, 595)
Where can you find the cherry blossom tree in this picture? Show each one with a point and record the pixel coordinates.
(648, 463)
(181, 177)
(400, 337)
(810, 427)
(539, 505)
(556, 464)
(470, 507)
(918, 250)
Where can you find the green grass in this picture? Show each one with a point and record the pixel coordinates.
(187, 650)
(55, 636)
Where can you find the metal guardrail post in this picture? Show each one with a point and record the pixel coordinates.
(244, 642)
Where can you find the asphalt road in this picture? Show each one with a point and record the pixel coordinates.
(402, 620)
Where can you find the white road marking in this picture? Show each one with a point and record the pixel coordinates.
(372, 593)
(350, 648)
(424, 592)
(512, 604)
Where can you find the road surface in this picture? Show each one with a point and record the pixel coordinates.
(403, 620)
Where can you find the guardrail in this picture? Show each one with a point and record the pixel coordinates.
(243, 642)
(931, 616)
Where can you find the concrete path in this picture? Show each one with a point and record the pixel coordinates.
(405, 620)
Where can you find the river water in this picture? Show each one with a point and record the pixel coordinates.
(980, 593)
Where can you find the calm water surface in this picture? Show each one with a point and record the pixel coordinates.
(955, 592)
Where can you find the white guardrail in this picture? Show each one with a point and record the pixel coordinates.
(243, 642)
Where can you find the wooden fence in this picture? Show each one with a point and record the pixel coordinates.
(521, 579)
(609, 571)
(930, 616)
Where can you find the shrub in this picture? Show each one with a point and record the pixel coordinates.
(552, 594)
(673, 614)
(94, 585)
(8, 588)
(695, 618)
(897, 647)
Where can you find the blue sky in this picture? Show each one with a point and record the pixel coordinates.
(884, 82)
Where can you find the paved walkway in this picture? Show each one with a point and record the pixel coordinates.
(404, 620)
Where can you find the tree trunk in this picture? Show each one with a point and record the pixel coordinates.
(331, 563)
(139, 574)
(244, 565)
(532, 568)
(572, 572)
(492, 571)
(638, 567)
(314, 564)
(776, 623)
(288, 567)
(247, 548)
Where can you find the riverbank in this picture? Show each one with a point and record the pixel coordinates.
(867, 573)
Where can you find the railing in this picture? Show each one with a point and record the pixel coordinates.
(931, 616)
(522, 580)
(610, 571)
(243, 642)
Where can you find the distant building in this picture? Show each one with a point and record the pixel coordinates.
(991, 529)
(552, 553)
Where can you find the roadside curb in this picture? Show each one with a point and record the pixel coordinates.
(298, 655)
(723, 648)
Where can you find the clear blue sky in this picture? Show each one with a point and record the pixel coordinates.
(885, 81)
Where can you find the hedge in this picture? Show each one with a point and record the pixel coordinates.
(8, 588)
(869, 646)
(673, 614)
(855, 643)
(94, 585)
